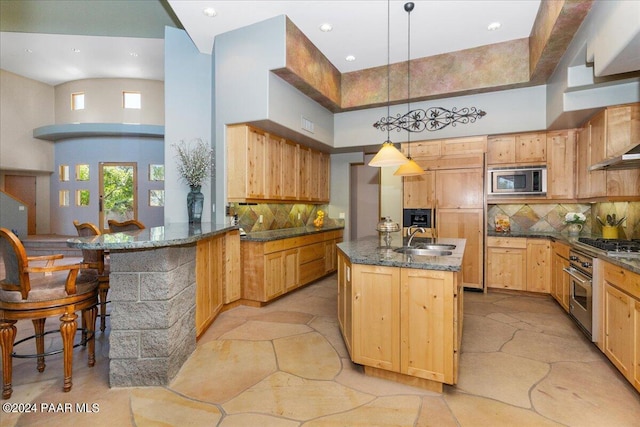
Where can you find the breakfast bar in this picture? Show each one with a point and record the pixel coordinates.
(153, 295)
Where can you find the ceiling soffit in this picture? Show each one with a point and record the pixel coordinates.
(507, 65)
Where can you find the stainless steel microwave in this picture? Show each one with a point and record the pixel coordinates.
(517, 181)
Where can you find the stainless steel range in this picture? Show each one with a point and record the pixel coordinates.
(581, 297)
(614, 247)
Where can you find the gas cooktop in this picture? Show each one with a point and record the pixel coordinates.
(614, 247)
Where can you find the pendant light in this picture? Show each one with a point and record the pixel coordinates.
(388, 155)
(410, 168)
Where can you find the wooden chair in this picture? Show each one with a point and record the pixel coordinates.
(98, 266)
(25, 294)
(130, 225)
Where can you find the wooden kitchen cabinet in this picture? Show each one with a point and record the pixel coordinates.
(622, 320)
(515, 149)
(538, 265)
(466, 224)
(345, 295)
(591, 184)
(419, 191)
(406, 321)
(272, 268)
(561, 164)
(217, 276)
(460, 189)
(519, 263)
(560, 280)
(266, 167)
(507, 263)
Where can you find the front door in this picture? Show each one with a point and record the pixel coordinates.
(118, 189)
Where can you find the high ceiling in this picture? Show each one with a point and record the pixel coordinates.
(40, 38)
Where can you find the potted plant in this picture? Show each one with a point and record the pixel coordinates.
(195, 163)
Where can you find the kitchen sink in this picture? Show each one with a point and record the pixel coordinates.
(414, 250)
(435, 246)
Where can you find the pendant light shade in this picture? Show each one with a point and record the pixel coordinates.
(388, 155)
(410, 168)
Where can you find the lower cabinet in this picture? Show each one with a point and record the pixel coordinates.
(405, 321)
(519, 263)
(559, 279)
(270, 269)
(217, 276)
(622, 321)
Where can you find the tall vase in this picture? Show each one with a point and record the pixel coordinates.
(195, 203)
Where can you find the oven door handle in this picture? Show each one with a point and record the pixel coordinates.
(576, 275)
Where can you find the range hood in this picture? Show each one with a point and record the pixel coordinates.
(629, 160)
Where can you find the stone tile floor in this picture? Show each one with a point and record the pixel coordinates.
(523, 363)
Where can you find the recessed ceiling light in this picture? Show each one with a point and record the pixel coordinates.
(75, 50)
(326, 27)
(28, 50)
(494, 26)
(210, 12)
(350, 58)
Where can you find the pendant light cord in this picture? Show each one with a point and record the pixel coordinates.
(408, 9)
(388, 65)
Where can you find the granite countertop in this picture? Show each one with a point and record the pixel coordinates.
(154, 237)
(285, 233)
(372, 251)
(631, 264)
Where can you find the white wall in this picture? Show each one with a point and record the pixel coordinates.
(187, 116)
(339, 187)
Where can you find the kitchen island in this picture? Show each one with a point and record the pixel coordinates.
(401, 315)
(166, 284)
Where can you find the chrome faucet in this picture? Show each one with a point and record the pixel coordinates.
(412, 234)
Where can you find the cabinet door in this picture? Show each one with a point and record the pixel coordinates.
(290, 267)
(273, 275)
(232, 279)
(344, 299)
(623, 129)
(324, 174)
(274, 167)
(506, 268)
(538, 265)
(465, 224)
(419, 190)
(209, 281)
(561, 160)
(501, 149)
(304, 173)
(636, 340)
(618, 328)
(329, 256)
(582, 162)
(531, 148)
(560, 281)
(376, 316)
(256, 153)
(427, 301)
(460, 188)
(289, 170)
(597, 180)
(314, 178)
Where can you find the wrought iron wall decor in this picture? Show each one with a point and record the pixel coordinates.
(431, 119)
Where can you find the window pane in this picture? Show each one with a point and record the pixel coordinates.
(63, 197)
(156, 197)
(82, 172)
(77, 101)
(132, 100)
(82, 197)
(156, 172)
(63, 171)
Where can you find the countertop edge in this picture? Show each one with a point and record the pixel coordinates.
(286, 233)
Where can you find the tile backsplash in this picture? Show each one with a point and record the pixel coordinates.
(278, 215)
(550, 217)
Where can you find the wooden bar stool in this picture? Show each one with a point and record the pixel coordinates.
(25, 293)
(98, 264)
(130, 225)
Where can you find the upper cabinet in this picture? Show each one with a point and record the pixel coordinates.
(266, 167)
(517, 149)
(608, 134)
(561, 161)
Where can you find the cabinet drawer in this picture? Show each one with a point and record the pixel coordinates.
(311, 253)
(626, 280)
(507, 242)
(561, 249)
(311, 271)
(273, 246)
